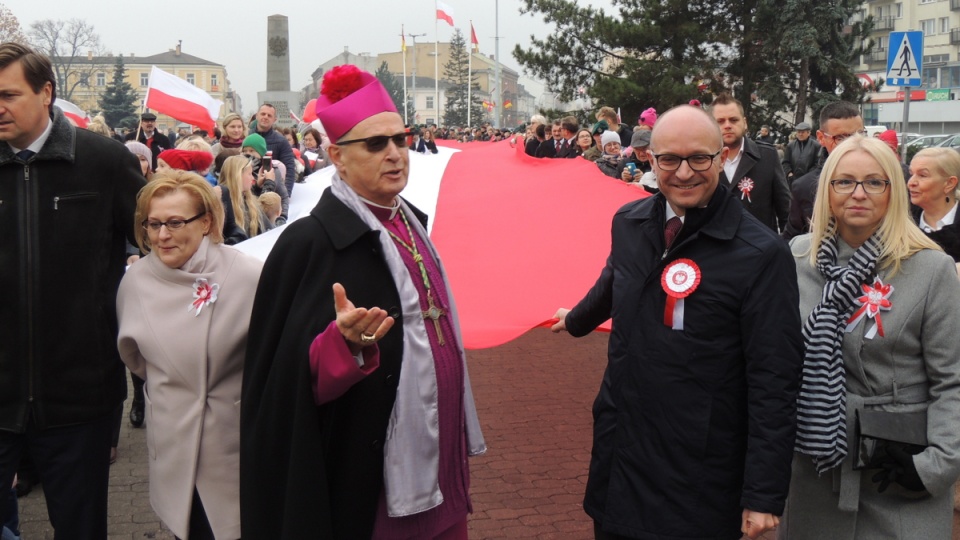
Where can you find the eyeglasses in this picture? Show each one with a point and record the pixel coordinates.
(873, 186)
(842, 137)
(378, 142)
(171, 224)
(697, 162)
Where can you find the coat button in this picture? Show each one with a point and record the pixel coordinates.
(375, 445)
(388, 379)
(394, 312)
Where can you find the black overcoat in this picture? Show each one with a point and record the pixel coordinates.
(309, 471)
(692, 425)
(769, 200)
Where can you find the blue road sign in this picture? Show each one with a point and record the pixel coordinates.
(905, 59)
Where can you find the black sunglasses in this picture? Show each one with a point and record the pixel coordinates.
(378, 142)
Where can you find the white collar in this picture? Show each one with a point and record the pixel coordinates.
(36, 145)
(393, 209)
(948, 219)
(730, 165)
(671, 214)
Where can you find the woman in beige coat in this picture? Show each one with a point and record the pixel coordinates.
(184, 312)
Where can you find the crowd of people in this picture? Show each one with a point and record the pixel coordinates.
(781, 355)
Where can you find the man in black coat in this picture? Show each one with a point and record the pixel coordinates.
(695, 421)
(67, 199)
(752, 170)
(149, 135)
(550, 147)
(801, 154)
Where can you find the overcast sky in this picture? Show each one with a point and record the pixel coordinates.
(234, 33)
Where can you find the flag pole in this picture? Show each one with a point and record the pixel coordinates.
(403, 53)
(469, 73)
(436, 62)
(499, 103)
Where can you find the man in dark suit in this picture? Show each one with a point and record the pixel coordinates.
(752, 170)
(568, 134)
(149, 135)
(551, 147)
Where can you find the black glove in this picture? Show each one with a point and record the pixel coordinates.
(900, 470)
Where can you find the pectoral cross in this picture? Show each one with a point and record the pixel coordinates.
(433, 312)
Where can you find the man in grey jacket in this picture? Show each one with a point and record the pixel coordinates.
(801, 154)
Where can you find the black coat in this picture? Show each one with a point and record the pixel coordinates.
(693, 425)
(769, 200)
(66, 217)
(547, 149)
(798, 161)
(948, 237)
(531, 146)
(160, 143)
(309, 471)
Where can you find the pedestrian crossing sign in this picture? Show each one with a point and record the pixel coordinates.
(905, 59)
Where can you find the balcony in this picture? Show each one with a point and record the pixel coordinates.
(954, 34)
(886, 24)
(877, 56)
(954, 5)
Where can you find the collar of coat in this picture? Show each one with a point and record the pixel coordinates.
(342, 224)
(60, 145)
(719, 219)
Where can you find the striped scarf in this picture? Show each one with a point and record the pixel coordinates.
(821, 405)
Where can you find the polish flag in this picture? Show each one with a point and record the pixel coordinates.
(473, 38)
(518, 236)
(76, 115)
(175, 97)
(444, 13)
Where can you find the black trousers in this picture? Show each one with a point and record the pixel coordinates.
(73, 463)
(599, 534)
(199, 524)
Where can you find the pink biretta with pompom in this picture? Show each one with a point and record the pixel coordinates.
(348, 96)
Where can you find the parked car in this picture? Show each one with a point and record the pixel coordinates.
(927, 141)
(951, 141)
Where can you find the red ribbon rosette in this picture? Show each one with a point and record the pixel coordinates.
(679, 280)
(875, 299)
(745, 186)
(203, 294)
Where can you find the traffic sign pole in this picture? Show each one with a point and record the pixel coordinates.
(903, 126)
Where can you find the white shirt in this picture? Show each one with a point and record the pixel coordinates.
(944, 221)
(36, 145)
(730, 165)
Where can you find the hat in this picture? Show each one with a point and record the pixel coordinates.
(148, 116)
(139, 149)
(256, 142)
(187, 160)
(640, 138)
(600, 127)
(609, 137)
(648, 117)
(890, 137)
(349, 96)
(803, 126)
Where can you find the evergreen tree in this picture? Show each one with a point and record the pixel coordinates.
(457, 72)
(118, 100)
(394, 87)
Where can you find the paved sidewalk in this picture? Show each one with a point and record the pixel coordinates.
(534, 397)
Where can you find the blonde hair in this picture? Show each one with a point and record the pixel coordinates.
(270, 202)
(899, 236)
(946, 161)
(99, 125)
(231, 176)
(230, 118)
(170, 181)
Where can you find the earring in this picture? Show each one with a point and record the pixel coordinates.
(947, 199)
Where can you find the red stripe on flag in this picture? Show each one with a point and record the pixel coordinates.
(443, 16)
(180, 109)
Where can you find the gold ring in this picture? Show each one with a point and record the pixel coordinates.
(364, 338)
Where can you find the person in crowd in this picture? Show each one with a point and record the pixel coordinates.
(610, 116)
(198, 144)
(597, 132)
(275, 142)
(609, 160)
(839, 121)
(694, 423)
(184, 314)
(144, 155)
(550, 147)
(314, 155)
(270, 206)
(415, 141)
(933, 194)
(99, 125)
(640, 142)
(752, 169)
(534, 141)
(369, 341)
(149, 135)
(890, 137)
(234, 131)
(878, 300)
(429, 144)
(254, 146)
(291, 136)
(647, 119)
(569, 125)
(65, 232)
(767, 136)
(236, 177)
(584, 142)
(801, 154)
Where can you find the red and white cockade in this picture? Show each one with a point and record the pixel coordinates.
(875, 299)
(745, 186)
(203, 294)
(679, 280)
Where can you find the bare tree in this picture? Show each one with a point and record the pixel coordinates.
(10, 27)
(74, 49)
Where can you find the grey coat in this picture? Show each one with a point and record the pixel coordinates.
(920, 349)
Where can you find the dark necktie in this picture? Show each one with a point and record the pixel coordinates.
(558, 147)
(670, 230)
(25, 155)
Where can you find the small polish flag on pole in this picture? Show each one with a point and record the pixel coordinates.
(76, 115)
(175, 97)
(473, 38)
(444, 13)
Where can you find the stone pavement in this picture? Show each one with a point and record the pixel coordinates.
(534, 397)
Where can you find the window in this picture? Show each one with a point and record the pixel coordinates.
(214, 82)
(950, 77)
(144, 79)
(930, 79)
(84, 79)
(927, 1)
(944, 25)
(928, 27)
(191, 79)
(936, 59)
(101, 79)
(429, 102)
(897, 11)
(881, 45)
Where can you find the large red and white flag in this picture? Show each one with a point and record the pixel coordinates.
(77, 115)
(473, 38)
(519, 236)
(444, 13)
(175, 97)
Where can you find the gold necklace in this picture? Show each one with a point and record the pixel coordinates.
(433, 312)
